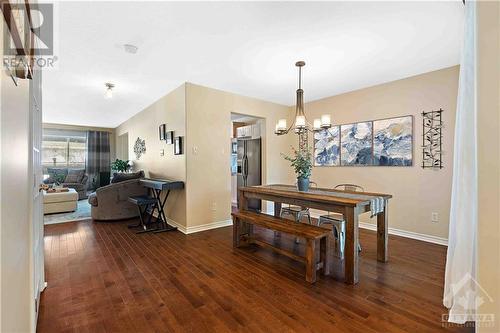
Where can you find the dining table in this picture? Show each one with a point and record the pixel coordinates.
(348, 203)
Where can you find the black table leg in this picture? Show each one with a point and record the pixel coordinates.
(141, 220)
(150, 218)
(161, 212)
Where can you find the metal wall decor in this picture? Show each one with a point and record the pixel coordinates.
(139, 148)
(432, 136)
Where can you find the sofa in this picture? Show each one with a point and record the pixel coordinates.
(70, 178)
(110, 202)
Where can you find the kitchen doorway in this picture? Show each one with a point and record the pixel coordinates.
(246, 155)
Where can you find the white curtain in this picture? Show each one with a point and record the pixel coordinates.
(460, 284)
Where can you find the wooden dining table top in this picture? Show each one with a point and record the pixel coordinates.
(325, 195)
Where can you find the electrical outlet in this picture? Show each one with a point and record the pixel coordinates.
(435, 217)
(214, 206)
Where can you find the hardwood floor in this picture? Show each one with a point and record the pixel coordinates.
(102, 277)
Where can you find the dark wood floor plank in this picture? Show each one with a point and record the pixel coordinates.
(102, 277)
(175, 275)
(153, 254)
(150, 272)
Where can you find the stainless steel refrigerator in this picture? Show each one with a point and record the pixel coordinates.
(249, 167)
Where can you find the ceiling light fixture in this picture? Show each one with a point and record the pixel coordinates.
(109, 90)
(300, 125)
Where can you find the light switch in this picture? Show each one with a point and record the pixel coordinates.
(435, 217)
(195, 150)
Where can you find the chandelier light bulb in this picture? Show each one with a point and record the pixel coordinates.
(326, 121)
(317, 124)
(300, 121)
(281, 124)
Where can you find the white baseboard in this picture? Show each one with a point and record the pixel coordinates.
(180, 227)
(399, 232)
(202, 227)
(208, 226)
(369, 226)
(408, 234)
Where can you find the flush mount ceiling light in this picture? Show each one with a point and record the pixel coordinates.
(129, 48)
(109, 90)
(300, 125)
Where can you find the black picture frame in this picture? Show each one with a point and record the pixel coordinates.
(178, 149)
(162, 129)
(169, 137)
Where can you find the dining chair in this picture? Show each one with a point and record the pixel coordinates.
(338, 222)
(297, 212)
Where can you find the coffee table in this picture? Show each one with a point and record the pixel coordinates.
(60, 202)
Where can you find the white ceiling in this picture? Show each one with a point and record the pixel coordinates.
(246, 48)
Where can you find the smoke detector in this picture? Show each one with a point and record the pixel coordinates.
(129, 48)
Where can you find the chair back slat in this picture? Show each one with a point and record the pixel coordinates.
(350, 187)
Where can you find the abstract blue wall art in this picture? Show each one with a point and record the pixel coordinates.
(356, 144)
(393, 141)
(327, 147)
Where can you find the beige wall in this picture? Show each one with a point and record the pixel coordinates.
(205, 113)
(416, 192)
(488, 75)
(169, 110)
(203, 116)
(208, 149)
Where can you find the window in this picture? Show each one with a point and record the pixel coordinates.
(64, 149)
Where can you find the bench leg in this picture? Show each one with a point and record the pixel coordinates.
(311, 261)
(324, 255)
(277, 213)
(236, 232)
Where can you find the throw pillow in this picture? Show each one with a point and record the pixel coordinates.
(120, 177)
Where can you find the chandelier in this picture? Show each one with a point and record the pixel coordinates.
(301, 125)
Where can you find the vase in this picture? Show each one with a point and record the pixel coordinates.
(303, 184)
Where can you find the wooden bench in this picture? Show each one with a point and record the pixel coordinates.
(243, 222)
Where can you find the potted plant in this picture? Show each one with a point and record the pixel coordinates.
(120, 165)
(301, 162)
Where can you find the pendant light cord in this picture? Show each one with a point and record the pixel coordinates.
(300, 77)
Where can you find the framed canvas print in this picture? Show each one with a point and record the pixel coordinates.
(162, 129)
(356, 144)
(393, 141)
(178, 145)
(327, 147)
(169, 137)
